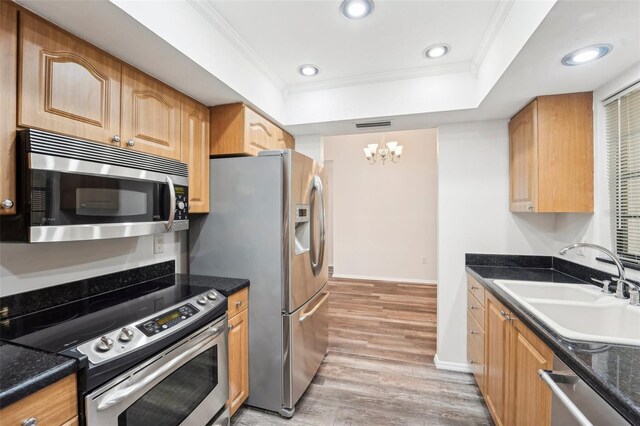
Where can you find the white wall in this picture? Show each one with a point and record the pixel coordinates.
(311, 146)
(26, 267)
(384, 217)
(474, 217)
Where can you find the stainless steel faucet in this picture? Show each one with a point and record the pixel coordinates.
(634, 289)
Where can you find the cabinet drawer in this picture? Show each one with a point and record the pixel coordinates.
(55, 405)
(476, 289)
(238, 302)
(476, 309)
(475, 335)
(476, 361)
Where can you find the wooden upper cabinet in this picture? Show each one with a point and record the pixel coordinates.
(8, 87)
(195, 152)
(551, 155)
(66, 85)
(151, 115)
(238, 130)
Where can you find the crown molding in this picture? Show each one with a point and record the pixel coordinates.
(209, 12)
(493, 29)
(382, 77)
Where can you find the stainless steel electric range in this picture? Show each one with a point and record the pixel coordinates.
(154, 353)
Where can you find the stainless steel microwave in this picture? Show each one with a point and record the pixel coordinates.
(70, 190)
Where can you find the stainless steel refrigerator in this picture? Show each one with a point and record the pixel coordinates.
(267, 224)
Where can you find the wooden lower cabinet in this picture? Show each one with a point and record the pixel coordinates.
(506, 369)
(497, 345)
(56, 404)
(238, 351)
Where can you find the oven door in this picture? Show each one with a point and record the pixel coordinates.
(186, 384)
(73, 200)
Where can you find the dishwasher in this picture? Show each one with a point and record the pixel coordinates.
(574, 402)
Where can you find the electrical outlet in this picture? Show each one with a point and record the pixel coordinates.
(158, 244)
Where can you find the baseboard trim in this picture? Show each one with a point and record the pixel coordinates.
(451, 366)
(383, 279)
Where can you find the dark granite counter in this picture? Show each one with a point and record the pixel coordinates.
(613, 371)
(226, 286)
(24, 371)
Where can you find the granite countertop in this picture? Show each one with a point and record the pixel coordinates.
(24, 371)
(226, 286)
(613, 371)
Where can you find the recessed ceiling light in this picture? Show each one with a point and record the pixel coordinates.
(586, 54)
(356, 9)
(308, 70)
(436, 51)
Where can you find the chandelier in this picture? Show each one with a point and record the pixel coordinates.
(381, 151)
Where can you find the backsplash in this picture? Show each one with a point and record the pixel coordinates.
(36, 300)
(28, 267)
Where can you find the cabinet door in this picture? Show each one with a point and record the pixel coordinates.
(496, 359)
(289, 141)
(238, 360)
(261, 134)
(529, 399)
(150, 115)
(195, 152)
(66, 85)
(8, 85)
(523, 159)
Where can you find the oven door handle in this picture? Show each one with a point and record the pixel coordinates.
(126, 392)
(172, 205)
(548, 377)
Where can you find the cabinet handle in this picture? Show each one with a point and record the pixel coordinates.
(238, 303)
(131, 142)
(7, 203)
(473, 287)
(230, 326)
(33, 421)
(473, 308)
(474, 332)
(506, 316)
(530, 207)
(472, 362)
(115, 139)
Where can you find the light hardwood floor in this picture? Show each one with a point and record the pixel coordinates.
(379, 370)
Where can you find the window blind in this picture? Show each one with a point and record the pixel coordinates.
(622, 114)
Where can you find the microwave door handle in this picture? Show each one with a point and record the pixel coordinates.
(548, 377)
(123, 394)
(172, 205)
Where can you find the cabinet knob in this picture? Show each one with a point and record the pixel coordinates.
(506, 316)
(131, 142)
(230, 326)
(7, 203)
(33, 421)
(239, 303)
(530, 207)
(473, 308)
(115, 139)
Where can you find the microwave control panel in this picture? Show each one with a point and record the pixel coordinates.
(182, 203)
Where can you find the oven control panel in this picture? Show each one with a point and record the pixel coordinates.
(145, 331)
(167, 320)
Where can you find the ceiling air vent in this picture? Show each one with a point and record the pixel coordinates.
(373, 124)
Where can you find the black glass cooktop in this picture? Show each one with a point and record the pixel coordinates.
(66, 326)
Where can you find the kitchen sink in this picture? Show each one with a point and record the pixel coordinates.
(554, 291)
(578, 311)
(613, 322)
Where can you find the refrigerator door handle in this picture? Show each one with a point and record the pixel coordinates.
(317, 259)
(306, 315)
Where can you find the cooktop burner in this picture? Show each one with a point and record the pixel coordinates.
(60, 328)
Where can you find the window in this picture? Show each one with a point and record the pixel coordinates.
(623, 143)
